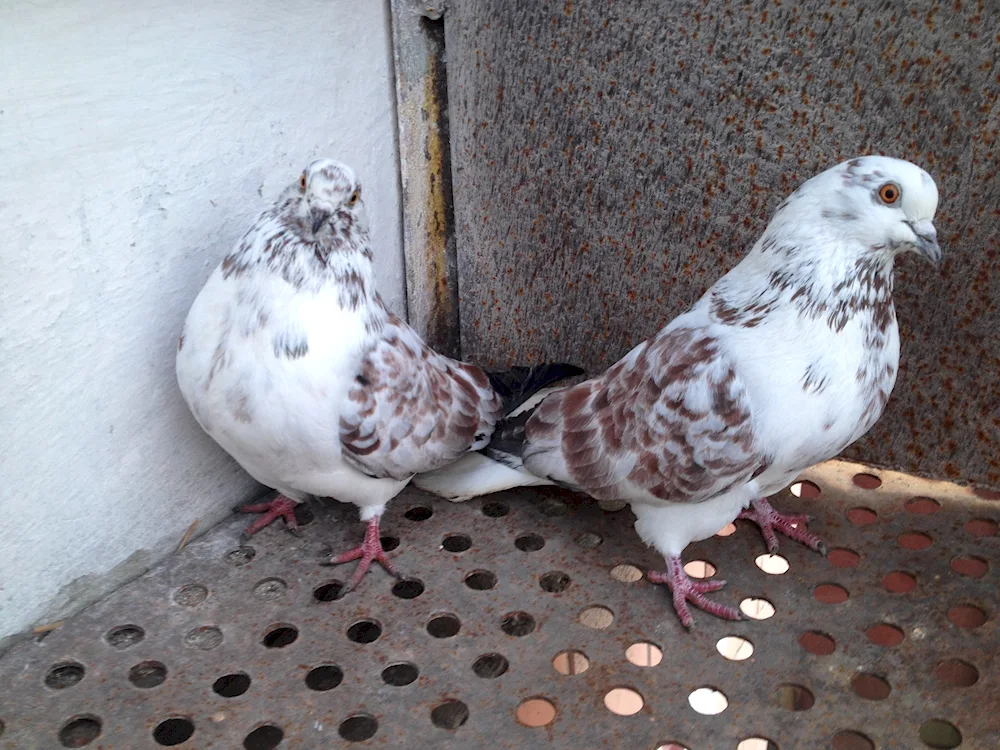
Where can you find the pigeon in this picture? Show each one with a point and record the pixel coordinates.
(291, 361)
(784, 362)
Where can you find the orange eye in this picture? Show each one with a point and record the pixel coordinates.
(889, 193)
(302, 182)
(354, 198)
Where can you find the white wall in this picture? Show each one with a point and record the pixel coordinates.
(137, 141)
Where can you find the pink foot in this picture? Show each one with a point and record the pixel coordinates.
(280, 507)
(685, 590)
(370, 550)
(770, 520)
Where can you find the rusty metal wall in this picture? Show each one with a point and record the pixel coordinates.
(612, 159)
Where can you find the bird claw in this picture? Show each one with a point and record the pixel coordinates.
(685, 590)
(279, 507)
(369, 551)
(769, 520)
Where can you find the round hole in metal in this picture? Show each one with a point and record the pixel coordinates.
(728, 530)
(536, 712)
(409, 588)
(232, 685)
(388, 542)
(324, 677)
(419, 513)
(699, 569)
(922, 506)
(358, 728)
(204, 638)
(956, 673)
(817, 643)
(986, 494)
(756, 743)
(794, 697)
(757, 608)
(672, 746)
(624, 701)
(328, 592)
(303, 516)
(841, 557)
(456, 543)
(173, 731)
(190, 595)
(148, 674)
(774, 565)
(481, 580)
(490, 666)
(644, 654)
(830, 593)
(517, 623)
(269, 588)
(444, 626)
(241, 555)
(626, 573)
(940, 734)
(884, 634)
(124, 636)
(280, 635)
(529, 542)
(899, 582)
(708, 701)
(364, 631)
(495, 509)
(571, 662)
(80, 731)
(266, 737)
(914, 540)
(589, 540)
(848, 739)
(399, 675)
(554, 581)
(450, 715)
(597, 617)
(862, 516)
(867, 481)
(870, 687)
(970, 565)
(734, 648)
(980, 527)
(805, 488)
(967, 616)
(64, 674)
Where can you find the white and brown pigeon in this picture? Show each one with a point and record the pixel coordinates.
(783, 363)
(290, 360)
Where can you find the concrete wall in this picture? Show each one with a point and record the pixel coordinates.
(137, 140)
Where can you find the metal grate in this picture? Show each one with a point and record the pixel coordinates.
(527, 622)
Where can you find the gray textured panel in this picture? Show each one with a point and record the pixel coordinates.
(612, 159)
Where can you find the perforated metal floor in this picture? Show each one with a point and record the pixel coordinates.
(517, 628)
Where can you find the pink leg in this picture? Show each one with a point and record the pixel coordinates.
(685, 590)
(770, 520)
(280, 507)
(370, 550)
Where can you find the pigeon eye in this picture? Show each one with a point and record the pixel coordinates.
(354, 198)
(302, 182)
(889, 193)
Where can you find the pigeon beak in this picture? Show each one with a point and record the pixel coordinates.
(927, 243)
(320, 218)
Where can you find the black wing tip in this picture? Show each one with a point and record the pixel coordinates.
(517, 384)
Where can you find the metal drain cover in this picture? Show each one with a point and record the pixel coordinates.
(526, 621)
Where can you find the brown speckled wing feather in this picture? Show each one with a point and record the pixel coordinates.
(413, 410)
(670, 421)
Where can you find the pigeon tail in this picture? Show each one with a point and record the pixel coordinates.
(518, 384)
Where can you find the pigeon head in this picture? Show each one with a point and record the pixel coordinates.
(332, 201)
(884, 203)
